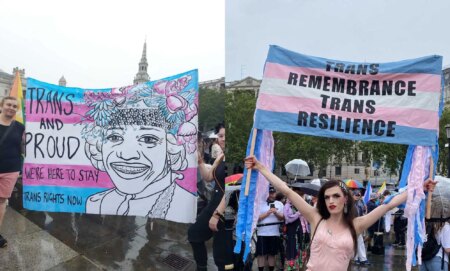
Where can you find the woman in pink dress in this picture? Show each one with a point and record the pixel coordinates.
(333, 224)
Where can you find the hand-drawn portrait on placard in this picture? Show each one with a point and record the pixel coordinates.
(142, 137)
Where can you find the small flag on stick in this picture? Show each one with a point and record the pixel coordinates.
(17, 92)
(368, 192)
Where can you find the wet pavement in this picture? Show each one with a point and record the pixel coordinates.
(66, 241)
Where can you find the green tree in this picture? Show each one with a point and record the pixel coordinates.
(443, 151)
(239, 110)
(316, 151)
(389, 155)
(211, 108)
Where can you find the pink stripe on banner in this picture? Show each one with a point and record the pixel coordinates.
(189, 182)
(86, 176)
(65, 175)
(417, 118)
(79, 110)
(424, 82)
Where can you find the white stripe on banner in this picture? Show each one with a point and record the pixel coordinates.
(422, 100)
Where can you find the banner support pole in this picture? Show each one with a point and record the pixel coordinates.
(252, 152)
(430, 194)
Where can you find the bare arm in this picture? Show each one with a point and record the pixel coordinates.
(279, 215)
(310, 213)
(266, 214)
(214, 220)
(363, 222)
(205, 172)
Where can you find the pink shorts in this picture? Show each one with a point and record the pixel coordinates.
(7, 182)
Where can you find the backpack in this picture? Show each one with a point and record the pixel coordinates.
(430, 247)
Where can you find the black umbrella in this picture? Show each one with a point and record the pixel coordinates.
(307, 188)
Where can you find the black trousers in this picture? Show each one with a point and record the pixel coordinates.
(293, 234)
(400, 237)
(199, 233)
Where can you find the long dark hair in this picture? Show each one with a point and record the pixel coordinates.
(219, 126)
(348, 216)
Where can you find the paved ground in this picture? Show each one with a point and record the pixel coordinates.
(65, 241)
(62, 241)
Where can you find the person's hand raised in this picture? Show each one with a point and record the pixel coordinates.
(429, 185)
(218, 160)
(252, 163)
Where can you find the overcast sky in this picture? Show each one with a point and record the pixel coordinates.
(98, 43)
(352, 30)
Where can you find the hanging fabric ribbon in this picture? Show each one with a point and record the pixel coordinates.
(248, 208)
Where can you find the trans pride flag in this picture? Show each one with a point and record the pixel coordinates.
(397, 102)
(393, 102)
(119, 151)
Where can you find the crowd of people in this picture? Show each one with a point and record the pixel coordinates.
(295, 231)
(324, 231)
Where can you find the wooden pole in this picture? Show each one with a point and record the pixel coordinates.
(252, 152)
(430, 194)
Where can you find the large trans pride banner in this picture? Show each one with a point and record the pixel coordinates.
(393, 102)
(129, 151)
(398, 102)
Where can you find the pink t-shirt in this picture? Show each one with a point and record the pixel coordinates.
(330, 250)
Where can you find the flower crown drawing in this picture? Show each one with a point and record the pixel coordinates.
(167, 104)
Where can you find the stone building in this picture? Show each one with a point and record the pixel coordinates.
(216, 84)
(446, 72)
(248, 83)
(7, 80)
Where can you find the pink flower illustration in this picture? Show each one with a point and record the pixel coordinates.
(176, 103)
(160, 87)
(190, 111)
(187, 135)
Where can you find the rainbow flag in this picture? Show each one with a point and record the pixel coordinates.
(394, 102)
(16, 91)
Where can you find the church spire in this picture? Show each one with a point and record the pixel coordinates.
(142, 75)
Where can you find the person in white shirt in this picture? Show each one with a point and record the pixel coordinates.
(268, 233)
(443, 238)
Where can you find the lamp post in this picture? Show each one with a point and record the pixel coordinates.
(447, 132)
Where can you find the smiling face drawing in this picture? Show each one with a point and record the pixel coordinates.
(129, 153)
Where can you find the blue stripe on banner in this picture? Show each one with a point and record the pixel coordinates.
(407, 166)
(57, 198)
(287, 122)
(79, 92)
(429, 64)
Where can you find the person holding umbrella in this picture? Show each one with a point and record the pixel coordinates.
(333, 223)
